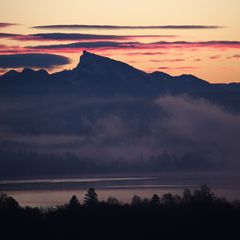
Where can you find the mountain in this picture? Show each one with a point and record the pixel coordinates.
(101, 76)
(96, 88)
(98, 75)
(106, 110)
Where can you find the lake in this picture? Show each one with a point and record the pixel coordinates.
(47, 192)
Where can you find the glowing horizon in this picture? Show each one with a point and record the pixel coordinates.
(178, 37)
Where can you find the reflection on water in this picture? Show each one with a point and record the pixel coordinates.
(57, 191)
(69, 180)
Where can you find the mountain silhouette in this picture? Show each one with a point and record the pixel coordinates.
(98, 75)
(101, 76)
(105, 109)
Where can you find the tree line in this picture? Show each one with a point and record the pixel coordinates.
(194, 215)
(34, 164)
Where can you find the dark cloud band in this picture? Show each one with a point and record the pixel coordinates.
(3, 25)
(113, 27)
(32, 60)
(10, 35)
(101, 44)
(138, 45)
(74, 37)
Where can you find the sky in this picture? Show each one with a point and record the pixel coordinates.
(177, 36)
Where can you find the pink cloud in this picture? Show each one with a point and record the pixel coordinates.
(76, 37)
(196, 45)
(234, 56)
(178, 68)
(168, 60)
(215, 57)
(115, 45)
(145, 53)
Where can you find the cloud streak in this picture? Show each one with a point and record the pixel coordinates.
(178, 68)
(5, 25)
(33, 60)
(236, 56)
(114, 27)
(90, 45)
(215, 57)
(10, 35)
(75, 37)
(138, 45)
(168, 60)
(145, 53)
(211, 44)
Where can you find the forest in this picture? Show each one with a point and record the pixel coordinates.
(197, 214)
(34, 164)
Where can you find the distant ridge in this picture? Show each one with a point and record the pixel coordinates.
(106, 116)
(99, 75)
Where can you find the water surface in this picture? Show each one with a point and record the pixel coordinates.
(57, 191)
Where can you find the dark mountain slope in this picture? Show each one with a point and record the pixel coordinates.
(97, 75)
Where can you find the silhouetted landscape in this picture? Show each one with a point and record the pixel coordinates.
(105, 116)
(119, 119)
(198, 214)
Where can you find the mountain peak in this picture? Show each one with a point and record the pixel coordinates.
(96, 68)
(10, 74)
(88, 58)
(86, 53)
(28, 71)
(100, 64)
(32, 74)
(161, 75)
(192, 78)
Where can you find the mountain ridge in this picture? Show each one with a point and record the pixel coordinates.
(105, 111)
(99, 75)
(90, 57)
